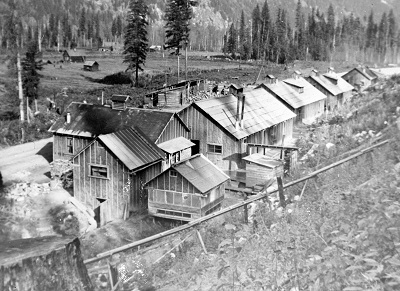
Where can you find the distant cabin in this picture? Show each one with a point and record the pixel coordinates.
(119, 102)
(74, 56)
(190, 189)
(361, 78)
(92, 66)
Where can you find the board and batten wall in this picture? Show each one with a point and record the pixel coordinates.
(173, 130)
(119, 189)
(60, 150)
(311, 111)
(207, 132)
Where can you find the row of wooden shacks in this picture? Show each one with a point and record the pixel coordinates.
(177, 163)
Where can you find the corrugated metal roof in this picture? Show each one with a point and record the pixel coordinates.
(201, 173)
(90, 120)
(132, 148)
(262, 160)
(283, 89)
(175, 145)
(261, 111)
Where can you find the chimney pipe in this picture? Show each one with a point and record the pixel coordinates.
(68, 117)
(237, 113)
(241, 117)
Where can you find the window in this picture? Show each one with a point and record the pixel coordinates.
(301, 90)
(174, 213)
(173, 173)
(214, 148)
(70, 145)
(97, 171)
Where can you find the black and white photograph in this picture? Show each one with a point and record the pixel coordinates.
(190, 145)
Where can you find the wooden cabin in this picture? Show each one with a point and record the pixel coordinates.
(336, 89)
(306, 101)
(361, 78)
(91, 66)
(110, 171)
(176, 149)
(175, 95)
(74, 56)
(188, 190)
(81, 123)
(222, 127)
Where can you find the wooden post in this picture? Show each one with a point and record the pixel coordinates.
(177, 51)
(246, 211)
(110, 276)
(280, 189)
(201, 242)
(186, 60)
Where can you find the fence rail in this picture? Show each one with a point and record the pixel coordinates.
(261, 195)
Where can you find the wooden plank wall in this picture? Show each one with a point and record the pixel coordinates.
(173, 130)
(265, 136)
(87, 189)
(313, 110)
(207, 132)
(60, 150)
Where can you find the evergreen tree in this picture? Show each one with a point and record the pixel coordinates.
(232, 40)
(136, 43)
(243, 45)
(256, 32)
(265, 29)
(82, 25)
(30, 75)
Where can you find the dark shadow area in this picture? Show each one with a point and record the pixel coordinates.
(47, 152)
(48, 174)
(93, 80)
(119, 78)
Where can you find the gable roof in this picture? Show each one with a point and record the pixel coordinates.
(90, 63)
(200, 172)
(120, 98)
(175, 145)
(76, 53)
(261, 111)
(341, 86)
(132, 148)
(263, 160)
(367, 73)
(291, 96)
(90, 120)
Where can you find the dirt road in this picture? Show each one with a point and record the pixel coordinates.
(27, 162)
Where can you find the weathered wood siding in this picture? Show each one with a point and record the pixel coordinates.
(178, 194)
(273, 135)
(204, 130)
(115, 189)
(263, 173)
(173, 130)
(60, 150)
(311, 111)
(355, 78)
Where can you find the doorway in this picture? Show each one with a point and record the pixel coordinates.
(99, 212)
(196, 147)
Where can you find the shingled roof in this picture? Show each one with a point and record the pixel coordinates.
(261, 111)
(91, 120)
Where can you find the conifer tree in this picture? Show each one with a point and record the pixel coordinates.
(256, 27)
(232, 40)
(265, 29)
(30, 75)
(136, 43)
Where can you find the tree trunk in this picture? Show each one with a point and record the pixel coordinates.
(39, 37)
(20, 92)
(27, 110)
(178, 63)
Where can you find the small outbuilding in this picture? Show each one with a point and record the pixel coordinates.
(190, 189)
(176, 149)
(260, 167)
(92, 66)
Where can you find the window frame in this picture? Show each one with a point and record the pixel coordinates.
(171, 172)
(70, 145)
(214, 151)
(99, 166)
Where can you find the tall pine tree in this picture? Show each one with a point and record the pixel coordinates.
(136, 43)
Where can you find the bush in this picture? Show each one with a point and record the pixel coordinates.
(64, 222)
